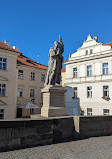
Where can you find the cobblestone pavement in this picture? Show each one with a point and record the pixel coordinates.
(92, 148)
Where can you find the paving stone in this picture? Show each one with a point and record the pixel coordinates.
(92, 148)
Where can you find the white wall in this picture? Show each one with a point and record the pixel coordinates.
(101, 54)
(96, 102)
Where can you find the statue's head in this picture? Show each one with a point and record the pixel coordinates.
(59, 46)
(55, 45)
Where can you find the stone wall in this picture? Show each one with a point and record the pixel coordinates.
(27, 133)
(17, 134)
(91, 126)
(21, 134)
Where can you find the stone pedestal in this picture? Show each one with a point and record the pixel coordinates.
(53, 101)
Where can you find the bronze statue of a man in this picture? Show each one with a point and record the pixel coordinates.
(55, 63)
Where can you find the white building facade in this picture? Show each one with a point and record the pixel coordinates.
(89, 79)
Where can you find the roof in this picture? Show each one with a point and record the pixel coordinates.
(63, 69)
(110, 44)
(21, 59)
(6, 47)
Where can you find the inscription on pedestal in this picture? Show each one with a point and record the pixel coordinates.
(53, 101)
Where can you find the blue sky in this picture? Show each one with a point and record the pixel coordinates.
(34, 25)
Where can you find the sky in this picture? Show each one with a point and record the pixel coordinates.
(34, 25)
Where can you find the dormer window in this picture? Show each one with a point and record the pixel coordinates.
(91, 51)
(86, 52)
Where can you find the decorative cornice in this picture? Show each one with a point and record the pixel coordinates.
(2, 103)
(82, 48)
(9, 52)
(3, 78)
(85, 58)
(96, 81)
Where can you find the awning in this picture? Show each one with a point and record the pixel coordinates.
(28, 106)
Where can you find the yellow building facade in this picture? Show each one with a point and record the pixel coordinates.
(21, 81)
(8, 81)
(30, 81)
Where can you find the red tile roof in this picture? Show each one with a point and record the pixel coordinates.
(28, 62)
(6, 47)
(22, 59)
(63, 69)
(110, 44)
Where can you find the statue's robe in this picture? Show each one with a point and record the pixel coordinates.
(55, 65)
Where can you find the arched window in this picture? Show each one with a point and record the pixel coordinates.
(86, 52)
(91, 51)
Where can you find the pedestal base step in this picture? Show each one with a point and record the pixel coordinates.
(53, 111)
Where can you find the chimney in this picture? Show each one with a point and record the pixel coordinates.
(6, 42)
(16, 48)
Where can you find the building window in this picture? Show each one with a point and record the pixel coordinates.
(2, 89)
(105, 111)
(89, 111)
(33, 76)
(42, 77)
(105, 68)
(3, 63)
(91, 51)
(75, 72)
(105, 91)
(86, 52)
(89, 92)
(89, 70)
(75, 92)
(31, 111)
(20, 92)
(1, 113)
(20, 74)
(32, 92)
